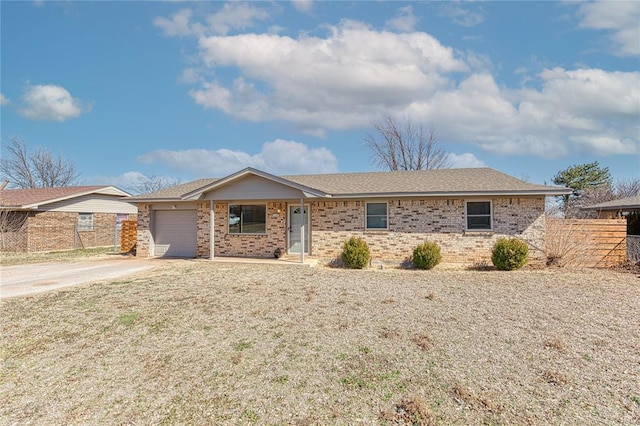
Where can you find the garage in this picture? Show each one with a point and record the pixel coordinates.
(175, 233)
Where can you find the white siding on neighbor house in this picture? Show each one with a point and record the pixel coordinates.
(93, 203)
(175, 233)
(254, 188)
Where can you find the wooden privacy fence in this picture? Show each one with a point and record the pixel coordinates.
(592, 243)
(128, 235)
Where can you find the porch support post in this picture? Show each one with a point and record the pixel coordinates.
(211, 231)
(302, 223)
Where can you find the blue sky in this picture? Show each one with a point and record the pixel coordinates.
(203, 89)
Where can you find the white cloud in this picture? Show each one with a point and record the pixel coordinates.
(232, 16)
(4, 100)
(278, 157)
(235, 16)
(126, 181)
(345, 79)
(50, 102)
(190, 76)
(404, 21)
(337, 82)
(621, 18)
(460, 161)
(304, 6)
(464, 16)
(178, 25)
(589, 111)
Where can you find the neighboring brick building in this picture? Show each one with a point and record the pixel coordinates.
(252, 213)
(48, 219)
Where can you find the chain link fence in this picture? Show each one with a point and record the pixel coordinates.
(21, 236)
(633, 248)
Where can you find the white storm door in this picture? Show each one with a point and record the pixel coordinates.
(295, 220)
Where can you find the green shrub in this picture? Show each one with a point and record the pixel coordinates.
(355, 253)
(509, 254)
(426, 255)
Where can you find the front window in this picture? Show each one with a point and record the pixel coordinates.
(85, 221)
(479, 215)
(247, 219)
(377, 216)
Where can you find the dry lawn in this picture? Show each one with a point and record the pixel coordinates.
(9, 259)
(195, 342)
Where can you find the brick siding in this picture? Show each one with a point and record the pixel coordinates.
(143, 246)
(51, 231)
(250, 245)
(411, 222)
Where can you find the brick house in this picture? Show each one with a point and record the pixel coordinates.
(48, 219)
(252, 213)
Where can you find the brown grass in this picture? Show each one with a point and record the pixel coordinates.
(412, 410)
(8, 259)
(197, 342)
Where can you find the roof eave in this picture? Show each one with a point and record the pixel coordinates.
(34, 206)
(154, 200)
(20, 208)
(612, 208)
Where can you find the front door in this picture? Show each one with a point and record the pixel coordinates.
(295, 220)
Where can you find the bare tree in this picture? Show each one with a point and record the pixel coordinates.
(625, 188)
(153, 183)
(601, 194)
(405, 145)
(11, 223)
(39, 169)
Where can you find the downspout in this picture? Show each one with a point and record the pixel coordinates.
(211, 231)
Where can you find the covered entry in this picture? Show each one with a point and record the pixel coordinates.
(175, 233)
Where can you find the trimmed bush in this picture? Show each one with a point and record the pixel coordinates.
(426, 255)
(509, 254)
(355, 253)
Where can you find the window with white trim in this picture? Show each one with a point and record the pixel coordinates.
(478, 215)
(377, 216)
(247, 218)
(85, 221)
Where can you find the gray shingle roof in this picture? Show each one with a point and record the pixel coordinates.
(443, 182)
(27, 197)
(621, 204)
(175, 192)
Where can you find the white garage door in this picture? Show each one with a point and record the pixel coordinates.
(175, 234)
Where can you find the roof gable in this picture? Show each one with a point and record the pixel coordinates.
(34, 197)
(242, 174)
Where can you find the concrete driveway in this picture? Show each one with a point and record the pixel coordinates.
(24, 280)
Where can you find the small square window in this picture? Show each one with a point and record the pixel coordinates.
(85, 221)
(377, 216)
(479, 216)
